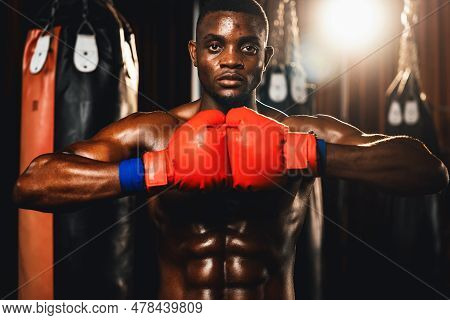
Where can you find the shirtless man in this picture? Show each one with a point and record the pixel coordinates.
(224, 242)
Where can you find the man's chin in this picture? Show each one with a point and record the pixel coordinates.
(232, 101)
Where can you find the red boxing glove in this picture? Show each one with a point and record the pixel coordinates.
(196, 156)
(262, 149)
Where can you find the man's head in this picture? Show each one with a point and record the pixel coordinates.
(230, 51)
(250, 7)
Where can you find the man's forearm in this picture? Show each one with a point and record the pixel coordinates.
(56, 181)
(400, 164)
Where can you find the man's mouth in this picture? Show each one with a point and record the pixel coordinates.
(230, 80)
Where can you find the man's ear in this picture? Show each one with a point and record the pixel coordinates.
(268, 54)
(192, 47)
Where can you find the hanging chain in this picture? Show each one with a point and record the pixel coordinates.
(292, 52)
(285, 37)
(408, 55)
(51, 20)
(277, 36)
(85, 13)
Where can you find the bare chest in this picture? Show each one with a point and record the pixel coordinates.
(230, 222)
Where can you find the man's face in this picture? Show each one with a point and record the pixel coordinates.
(230, 55)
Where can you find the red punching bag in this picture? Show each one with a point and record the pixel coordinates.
(37, 130)
(68, 97)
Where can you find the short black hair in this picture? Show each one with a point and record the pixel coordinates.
(245, 6)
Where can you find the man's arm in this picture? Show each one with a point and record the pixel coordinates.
(397, 164)
(88, 170)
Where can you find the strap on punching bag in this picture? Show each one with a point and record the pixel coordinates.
(85, 55)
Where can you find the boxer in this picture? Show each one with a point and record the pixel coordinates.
(232, 176)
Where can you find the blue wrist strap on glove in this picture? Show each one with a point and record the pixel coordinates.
(131, 175)
(322, 149)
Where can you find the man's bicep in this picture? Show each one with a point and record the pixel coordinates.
(126, 138)
(344, 133)
(110, 144)
(331, 130)
(100, 150)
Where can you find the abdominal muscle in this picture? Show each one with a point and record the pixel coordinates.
(247, 252)
(224, 276)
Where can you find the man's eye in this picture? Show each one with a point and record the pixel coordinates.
(250, 49)
(214, 47)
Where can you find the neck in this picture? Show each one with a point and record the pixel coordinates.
(207, 103)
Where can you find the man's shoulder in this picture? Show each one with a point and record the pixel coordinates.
(148, 118)
(318, 120)
(282, 117)
(325, 127)
(172, 116)
(186, 110)
(271, 112)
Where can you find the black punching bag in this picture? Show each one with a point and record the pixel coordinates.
(285, 87)
(413, 222)
(96, 84)
(284, 84)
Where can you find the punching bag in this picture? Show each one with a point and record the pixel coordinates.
(36, 138)
(284, 84)
(95, 83)
(413, 222)
(285, 87)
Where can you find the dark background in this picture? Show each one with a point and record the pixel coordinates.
(163, 28)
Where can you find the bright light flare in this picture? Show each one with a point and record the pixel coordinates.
(351, 23)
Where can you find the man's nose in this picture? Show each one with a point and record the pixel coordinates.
(231, 59)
